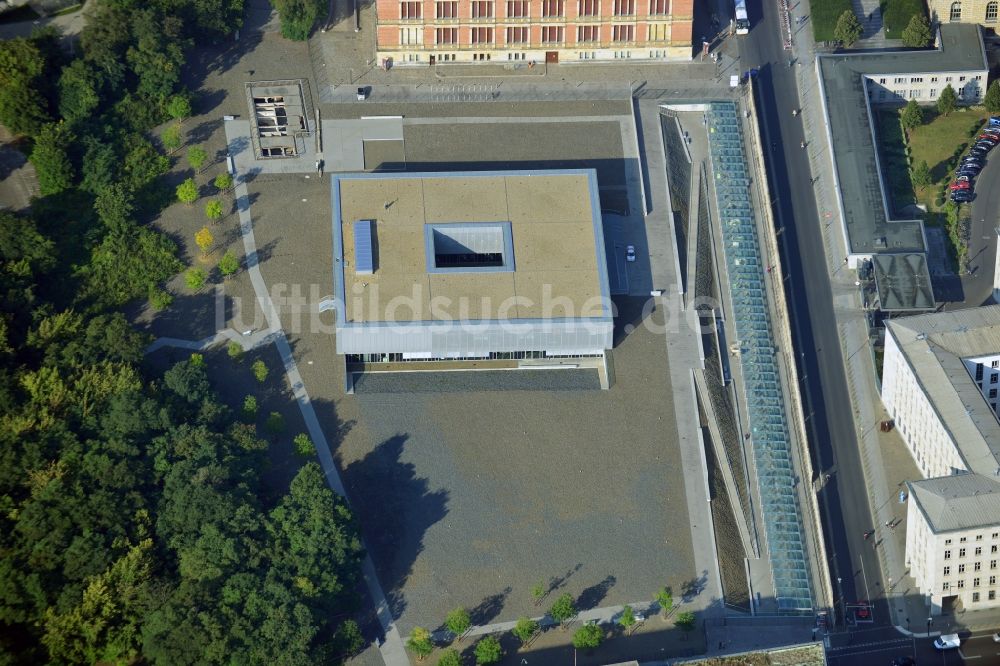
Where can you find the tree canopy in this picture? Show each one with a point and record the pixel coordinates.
(848, 29)
(917, 34)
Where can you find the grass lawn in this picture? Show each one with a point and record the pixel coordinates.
(896, 15)
(941, 141)
(824, 18)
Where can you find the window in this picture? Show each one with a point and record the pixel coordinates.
(624, 7)
(623, 33)
(947, 571)
(933, 79)
(994, 364)
(956, 12)
(993, 393)
(975, 596)
(947, 542)
(899, 79)
(975, 582)
(881, 81)
(659, 32)
(587, 33)
(517, 35)
(993, 564)
(947, 554)
(991, 595)
(517, 8)
(916, 79)
(914, 94)
(482, 9)
(446, 9)
(979, 551)
(993, 580)
(993, 548)
(410, 36)
(961, 78)
(993, 379)
(482, 35)
(659, 7)
(409, 10)
(947, 79)
(961, 568)
(551, 8)
(961, 552)
(996, 534)
(552, 34)
(590, 7)
(963, 540)
(446, 36)
(976, 566)
(945, 586)
(961, 584)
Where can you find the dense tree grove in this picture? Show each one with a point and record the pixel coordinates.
(134, 525)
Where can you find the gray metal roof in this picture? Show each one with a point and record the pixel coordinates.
(934, 346)
(903, 281)
(958, 502)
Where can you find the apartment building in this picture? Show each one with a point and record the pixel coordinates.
(531, 32)
(984, 12)
(940, 382)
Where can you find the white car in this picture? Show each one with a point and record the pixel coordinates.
(630, 253)
(996, 637)
(947, 642)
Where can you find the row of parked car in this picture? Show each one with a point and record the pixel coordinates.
(974, 161)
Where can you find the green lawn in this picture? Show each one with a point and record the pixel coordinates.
(896, 15)
(824, 18)
(940, 141)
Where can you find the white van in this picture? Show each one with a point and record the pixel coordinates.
(947, 642)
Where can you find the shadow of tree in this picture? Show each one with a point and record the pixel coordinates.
(592, 596)
(489, 608)
(557, 582)
(692, 588)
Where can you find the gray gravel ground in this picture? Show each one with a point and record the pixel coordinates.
(480, 380)
(497, 109)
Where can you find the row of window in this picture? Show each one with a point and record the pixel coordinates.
(550, 34)
(979, 537)
(961, 570)
(991, 11)
(482, 9)
(934, 79)
(916, 93)
(945, 586)
(978, 552)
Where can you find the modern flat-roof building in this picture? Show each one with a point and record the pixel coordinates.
(940, 377)
(851, 85)
(433, 268)
(532, 31)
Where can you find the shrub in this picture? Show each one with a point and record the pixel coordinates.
(229, 264)
(214, 210)
(848, 30)
(160, 299)
(275, 423)
(303, 445)
(187, 192)
(488, 650)
(194, 279)
(196, 157)
(223, 181)
(249, 408)
(588, 637)
(259, 369)
(235, 351)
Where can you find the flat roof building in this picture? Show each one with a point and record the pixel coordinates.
(850, 85)
(940, 377)
(450, 267)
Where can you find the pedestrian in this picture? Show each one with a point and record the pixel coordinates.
(887, 523)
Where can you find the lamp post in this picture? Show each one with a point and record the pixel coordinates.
(840, 592)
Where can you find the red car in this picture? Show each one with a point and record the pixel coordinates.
(961, 185)
(992, 138)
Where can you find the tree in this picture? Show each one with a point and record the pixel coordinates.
(488, 650)
(23, 107)
(848, 30)
(229, 264)
(917, 34)
(525, 629)
(187, 192)
(588, 637)
(685, 620)
(259, 369)
(450, 657)
(203, 238)
(563, 609)
(992, 98)
(275, 423)
(114, 206)
(349, 639)
(921, 176)
(538, 592)
(196, 157)
(160, 299)
(235, 351)
(172, 138)
(303, 445)
(51, 158)
(947, 100)
(420, 643)
(627, 620)
(665, 600)
(912, 116)
(179, 107)
(79, 91)
(457, 621)
(195, 279)
(298, 17)
(249, 408)
(213, 210)
(223, 181)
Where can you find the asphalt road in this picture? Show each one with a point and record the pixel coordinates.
(882, 646)
(978, 287)
(830, 421)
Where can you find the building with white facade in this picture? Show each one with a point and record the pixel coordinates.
(940, 382)
(470, 270)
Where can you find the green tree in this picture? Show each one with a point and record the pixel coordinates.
(921, 175)
(947, 100)
(588, 637)
(196, 157)
(917, 34)
(129, 262)
(259, 369)
(525, 629)
(187, 192)
(194, 278)
(420, 643)
(992, 98)
(172, 138)
(79, 91)
(538, 592)
(235, 351)
(298, 17)
(450, 657)
(160, 299)
(848, 30)
(563, 609)
(275, 423)
(204, 239)
(458, 622)
(304, 445)
(213, 210)
(229, 264)
(115, 206)
(349, 639)
(627, 620)
(665, 600)
(223, 181)
(249, 408)
(179, 107)
(488, 650)
(51, 158)
(23, 106)
(912, 116)
(685, 620)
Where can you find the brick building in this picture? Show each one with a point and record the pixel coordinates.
(532, 31)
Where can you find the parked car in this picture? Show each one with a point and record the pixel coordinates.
(996, 637)
(978, 151)
(962, 196)
(994, 121)
(992, 138)
(960, 185)
(983, 143)
(630, 253)
(969, 169)
(947, 642)
(994, 132)
(963, 179)
(973, 158)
